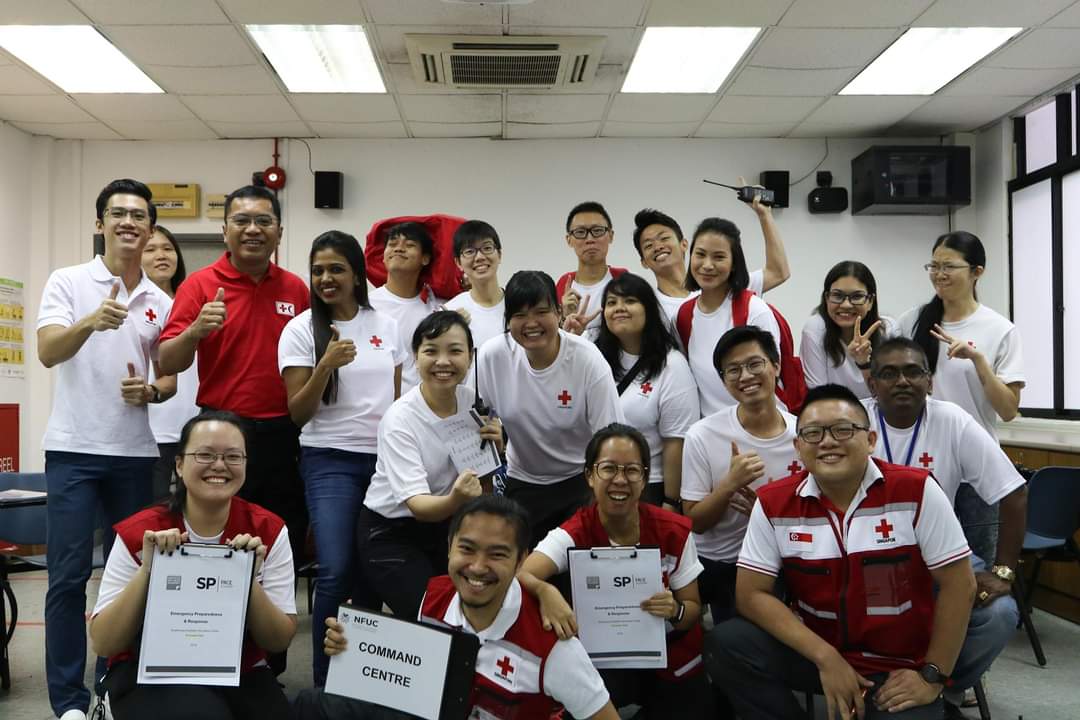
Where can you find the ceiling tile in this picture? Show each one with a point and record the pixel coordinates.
(852, 13)
(521, 131)
(746, 110)
(837, 130)
(142, 108)
(236, 80)
(345, 108)
(40, 12)
(883, 110)
(1042, 48)
(744, 130)
(41, 109)
(163, 130)
(455, 130)
(768, 81)
(392, 37)
(260, 129)
(1069, 17)
(710, 12)
(152, 12)
(184, 46)
(656, 130)
(990, 13)
(70, 131)
(618, 50)
(660, 107)
(452, 108)
(542, 109)
(241, 108)
(821, 48)
(955, 112)
(1005, 81)
(359, 130)
(426, 12)
(577, 14)
(14, 80)
(322, 12)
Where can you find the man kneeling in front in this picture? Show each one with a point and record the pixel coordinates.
(862, 543)
(489, 538)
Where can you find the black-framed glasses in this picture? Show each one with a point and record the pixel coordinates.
(734, 372)
(945, 268)
(242, 221)
(487, 249)
(837, 297)
(814, 434)
(205, 457)
(633, 472)
(912, 373)
(597, 231)
(119, 213)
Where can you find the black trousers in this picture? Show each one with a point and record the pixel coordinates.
(688, 698)
(549, 506)
(164, 469)
(399, 556)
(653, 493)
(717, 588)
(314, 704)
(257, 698)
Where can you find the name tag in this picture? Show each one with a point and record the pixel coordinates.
(284, 308)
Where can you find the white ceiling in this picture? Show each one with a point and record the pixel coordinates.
(219, 86)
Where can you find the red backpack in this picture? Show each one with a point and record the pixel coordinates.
(564, 281)
(441, 275)
(792, 386)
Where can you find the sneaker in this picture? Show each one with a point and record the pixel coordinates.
(73, 715)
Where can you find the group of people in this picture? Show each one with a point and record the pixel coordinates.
(253, 405)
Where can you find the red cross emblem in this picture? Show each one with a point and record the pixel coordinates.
(565, 398)
(375, 340)
(646, 388)
(926, 459)
(505, 668)
(884, 528)
(151, 316)
(794, 467)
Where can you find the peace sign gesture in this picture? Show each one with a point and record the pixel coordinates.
(962, 349)
(860, 346)
(576, 322)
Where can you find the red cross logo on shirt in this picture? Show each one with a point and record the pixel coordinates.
(375, 340)
(151, 316)
(505, 668)
(646, 388)
(884, 528)
(565, 398)
(794, 467)
(926, 459)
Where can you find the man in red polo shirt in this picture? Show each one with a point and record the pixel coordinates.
(233, 312)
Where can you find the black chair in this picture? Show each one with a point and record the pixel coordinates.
(21, 526)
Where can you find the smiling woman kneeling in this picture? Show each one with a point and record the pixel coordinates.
(210, 468)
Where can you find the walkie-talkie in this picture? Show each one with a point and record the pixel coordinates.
(747, 193)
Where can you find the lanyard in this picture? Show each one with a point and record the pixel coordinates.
(914, 436)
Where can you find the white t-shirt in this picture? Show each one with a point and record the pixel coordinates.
(484, 322)
(955, 380)
(818, 366)
(596, 297)
(953, 446)
(408, 313)
(412, 458)
(670, 305)
(88, 414)
(662, 407)
(276, 575)
(549, 414)
(365, 386)
(707, 459)
(706, 330)
(168, 418)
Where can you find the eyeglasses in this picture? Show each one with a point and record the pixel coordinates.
(597, 231)
(945, 269)
(242, 221)
(911, 372)
(734, 372)
(487, 249)
(231, 457)
(841, 431)
(633, 472)
(119, 213)
(837, 297)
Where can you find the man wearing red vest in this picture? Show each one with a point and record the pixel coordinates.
(523, 672)
(589, 234)
(862, 544)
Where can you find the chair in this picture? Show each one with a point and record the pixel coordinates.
(21, 526)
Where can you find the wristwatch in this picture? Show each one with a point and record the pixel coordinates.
(1004, 572)
(932, 674)
(863, 366)
(680, 613)
(155, 396)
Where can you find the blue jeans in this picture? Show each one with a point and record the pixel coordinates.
(988, 632)
(335, 483)
(77, 483)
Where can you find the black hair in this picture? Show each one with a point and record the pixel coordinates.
(499, 506)
(126, 186)
(832, 391)
(178, 498)
(474, 231)
(616, 430)
(656, 338)
(417, 233)
(347, 246)
(181, 270)
(256, 192)
(835, 347)
(896, 343)
(744, 334)
(526, 289)
(589, 206)
(739, 279)
(437, 324)
(932, 313)
(648, 217)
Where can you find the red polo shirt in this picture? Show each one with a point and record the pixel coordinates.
(238, 368)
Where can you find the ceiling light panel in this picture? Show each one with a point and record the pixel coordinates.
(77, 58)
(320, 58)
(924, 60)
(687, 59)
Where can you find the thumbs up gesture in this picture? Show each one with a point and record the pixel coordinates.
(339, 353)
(744, 469)
(211, 316)
(134, 389)
(110, 314)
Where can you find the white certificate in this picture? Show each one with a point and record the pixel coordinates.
(608, 586)
(196, 608)
(462, 437)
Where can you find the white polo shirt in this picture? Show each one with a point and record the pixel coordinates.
(88, 414)
(365, 386)
(169, 417)
(484, 322)
(408, 313)
(818, 366)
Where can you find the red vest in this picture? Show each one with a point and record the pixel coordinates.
(566, 279)
(864, 588)
(509, 678)
(244, 517)
(669, 532)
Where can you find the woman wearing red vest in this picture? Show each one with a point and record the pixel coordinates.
(210, 469)
(616, 466)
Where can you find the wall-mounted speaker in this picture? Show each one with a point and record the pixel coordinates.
(778, 181)
(329, 189)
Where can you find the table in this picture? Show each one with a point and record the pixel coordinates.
(7, 629)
